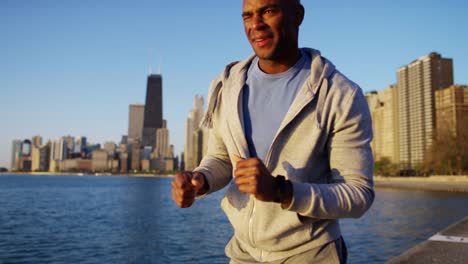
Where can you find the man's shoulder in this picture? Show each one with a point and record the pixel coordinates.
(233, 69)
(341, 84)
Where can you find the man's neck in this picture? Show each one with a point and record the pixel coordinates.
(279, 65)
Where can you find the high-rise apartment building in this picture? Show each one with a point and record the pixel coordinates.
(36, 141)
(58, 153)
(135, 153)
(162, 149)
(80, 145)
(153, 114)
(188, 148)
(200, 145)
(136, 114)
(124, 159)
(124, 140)
(69, 142)
(99, 160)
(384, 110)
(191, 126)
(44, 158)
(35, 152)
(35, 157)
(25, 155)
(390, 137)
(452, 112)
(111, 149)
(417, 83)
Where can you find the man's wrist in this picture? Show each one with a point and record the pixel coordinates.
(283, 191)
(204, 189)
(286, 202)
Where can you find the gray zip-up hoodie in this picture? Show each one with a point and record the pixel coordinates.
(322, 147)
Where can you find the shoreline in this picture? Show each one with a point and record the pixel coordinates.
(434, 183)
(65, 174)
(457, 184)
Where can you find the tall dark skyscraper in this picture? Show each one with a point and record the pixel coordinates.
(153, 116)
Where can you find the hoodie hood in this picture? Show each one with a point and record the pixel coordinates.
(321, 70)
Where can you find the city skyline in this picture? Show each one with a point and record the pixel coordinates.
(420, 123)
(73, 68)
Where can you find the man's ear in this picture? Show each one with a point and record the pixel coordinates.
(300, 12)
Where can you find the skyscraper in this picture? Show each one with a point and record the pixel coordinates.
(44, 158)
(111, 149)
(384, 110)
(35, 157)
(191, 126)
(153, 116)
(135, 153)
(15, 154)
(69, 142)
(452, 127)
(135, 122)
(80, 145)
(452, 110)
(124, 158)
(417, 83)
(162, 142)
(35, 152)
(25, 155)
(188, 148)
(58, 153)
(37, 141)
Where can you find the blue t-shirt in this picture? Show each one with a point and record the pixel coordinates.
(266, 100)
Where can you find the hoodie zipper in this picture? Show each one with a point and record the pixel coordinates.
(251, 229)
(267, 161)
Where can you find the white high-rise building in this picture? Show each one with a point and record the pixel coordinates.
(191, 127)
(162, 142)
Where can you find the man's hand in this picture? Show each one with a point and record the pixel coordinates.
(253, 177)
(186, 186)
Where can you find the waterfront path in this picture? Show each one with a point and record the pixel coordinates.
(433, 183)
(447, 246)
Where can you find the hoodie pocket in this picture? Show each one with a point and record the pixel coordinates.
(236, 206)
(280, 230)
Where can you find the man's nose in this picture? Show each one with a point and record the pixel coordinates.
(257, 22)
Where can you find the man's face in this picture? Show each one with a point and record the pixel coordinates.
(271, 27)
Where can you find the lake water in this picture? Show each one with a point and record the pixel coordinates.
(52, 219)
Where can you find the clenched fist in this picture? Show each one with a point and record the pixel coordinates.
(186, 186)
(253, 177)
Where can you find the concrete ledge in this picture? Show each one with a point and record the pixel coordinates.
(434, 183)
(449, 250)
(438, 178)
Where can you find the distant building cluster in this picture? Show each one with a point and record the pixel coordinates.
(420, 123)
(420, 126)
(146, 148)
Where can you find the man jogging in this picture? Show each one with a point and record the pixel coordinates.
(291, 137)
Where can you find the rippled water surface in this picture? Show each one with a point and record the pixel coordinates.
(50, 219)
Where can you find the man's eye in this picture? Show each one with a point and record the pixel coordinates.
(269, 11)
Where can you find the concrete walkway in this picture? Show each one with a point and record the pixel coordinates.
(447, 246)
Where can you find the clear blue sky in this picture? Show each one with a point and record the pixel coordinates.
(73, 67)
